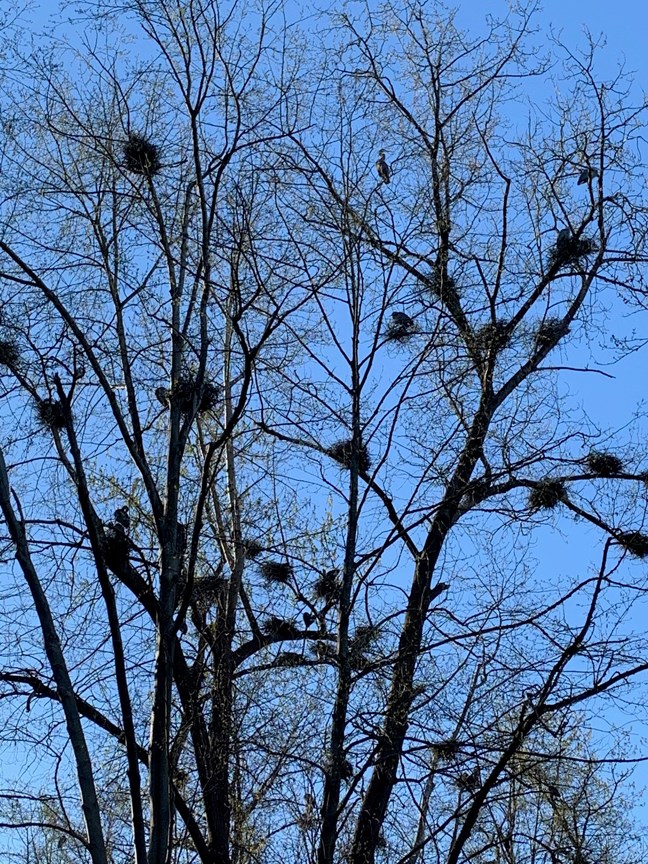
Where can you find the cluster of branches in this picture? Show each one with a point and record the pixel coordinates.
(268, 582)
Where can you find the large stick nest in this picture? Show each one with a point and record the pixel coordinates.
(141, 156)
(342, 452)
(634, 542)
(276, 571)
(252, 548)
(51, 413)
(604, 464)
(9, 353)
(495, 335)
(185, 394)
(547, 495)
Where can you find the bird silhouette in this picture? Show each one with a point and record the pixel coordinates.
(382, 167)
(162, 395)
(564, 236)
(586, 175)
(122, 517)
(402, 320)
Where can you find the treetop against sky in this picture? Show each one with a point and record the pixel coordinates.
(321, 534)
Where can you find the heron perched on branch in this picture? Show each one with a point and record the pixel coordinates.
(382, 167)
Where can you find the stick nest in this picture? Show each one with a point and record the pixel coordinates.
(51, 413)
(342, 452)
(447, 749)
(440, 285)
(186, 392)
(547, 495)
(206, 591)
(495, 335)
(550, 331)
(141, 156)
(9, 353)
(634, 542)
(280, 628)
(276, 571)
(252, 548)
(604, 464)
(362, 640)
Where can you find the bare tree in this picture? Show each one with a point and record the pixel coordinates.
(286, 332)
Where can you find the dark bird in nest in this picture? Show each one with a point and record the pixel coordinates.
(346, 769)
(122, 517)
(328, 587)
(547, 495)
(9, 354)
(587, 175)
(634, 542)
(400, 327)
(382, 167)
(309, 619)
(570, 249)
(276, 571)
(468, 782)
(604, 464)
(141, 156)
(116, 546)
(51, 413)
(289, 658)
(342, 452)
(279, 628)
(402, 320)
(553, 791)
(163, 396)
(325, 651)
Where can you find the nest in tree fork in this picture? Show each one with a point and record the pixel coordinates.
(51, 413)
(252, 548)
(186, 392)
(494, 334)
(206, 591)
(439, 284)
(276, 571)
(342, 452)
(634, 542)
(9, 353)
(141, 156)
(550, 331)
(604, 464)
(547, 495)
